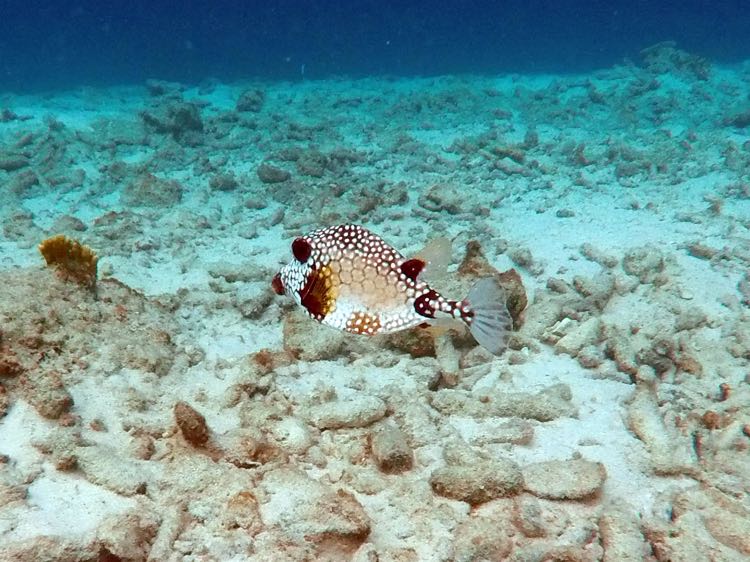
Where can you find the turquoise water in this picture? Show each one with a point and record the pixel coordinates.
(180, 409)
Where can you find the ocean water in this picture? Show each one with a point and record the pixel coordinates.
(160, 164)
(54, 45)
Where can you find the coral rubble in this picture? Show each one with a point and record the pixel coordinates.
(180, 411)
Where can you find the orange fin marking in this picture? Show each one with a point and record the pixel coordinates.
(318, 296)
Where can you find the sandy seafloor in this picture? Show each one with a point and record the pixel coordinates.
(616, 427)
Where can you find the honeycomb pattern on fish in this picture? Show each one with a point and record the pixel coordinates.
(350, 279)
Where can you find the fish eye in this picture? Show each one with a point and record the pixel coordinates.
(301, 249)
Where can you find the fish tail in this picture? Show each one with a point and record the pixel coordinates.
(488, 318)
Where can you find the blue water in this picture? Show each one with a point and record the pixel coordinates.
(616, 204)
(52, 45)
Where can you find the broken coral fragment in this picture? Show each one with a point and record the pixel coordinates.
(192, 424)
(477, 538)
(46, 392)
(72, 260)
(4, 401)
(357, 411)
(477, 482)
(548, 404)
(312, 513)
(576, 479)
(391, 450)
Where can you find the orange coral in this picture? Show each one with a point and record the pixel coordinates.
(72, 260)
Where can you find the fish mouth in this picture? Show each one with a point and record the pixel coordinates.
(277, 284)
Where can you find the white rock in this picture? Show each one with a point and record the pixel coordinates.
(358, 411)
(292, 435)
(564, 480)
(579, 337)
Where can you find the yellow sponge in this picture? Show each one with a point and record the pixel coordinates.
(72, 260)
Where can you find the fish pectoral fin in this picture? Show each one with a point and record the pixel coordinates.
(437, 256)
(318, 295)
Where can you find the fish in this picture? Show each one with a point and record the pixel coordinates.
(350, 279)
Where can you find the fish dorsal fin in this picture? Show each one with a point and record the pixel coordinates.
(436, 257)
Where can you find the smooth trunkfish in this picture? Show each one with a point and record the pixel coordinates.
(350, 279)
